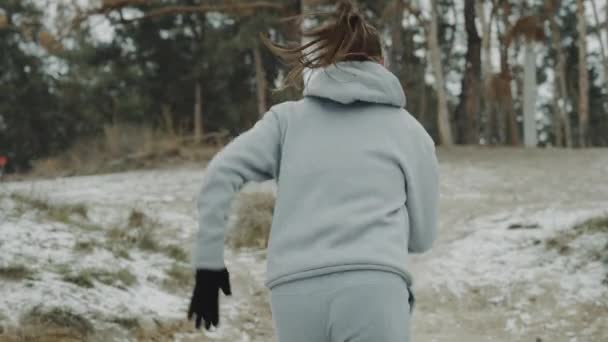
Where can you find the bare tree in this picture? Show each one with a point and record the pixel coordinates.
(583, 77)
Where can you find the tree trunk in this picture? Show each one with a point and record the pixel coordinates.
(467, 113)
(443, 119)
(563, 127)
(598, 32)
(397, 51)
(486, 71)
(293, 35)
(505, 75)
(530, 137)
(198, 112)
(260, 79)
(583, 77)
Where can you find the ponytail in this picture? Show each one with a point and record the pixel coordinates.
(345, 36)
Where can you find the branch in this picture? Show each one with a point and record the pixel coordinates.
(109, 6)
(114, 5)
(209, 8)
(417, 13)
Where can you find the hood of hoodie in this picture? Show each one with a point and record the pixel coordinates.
(349, 82)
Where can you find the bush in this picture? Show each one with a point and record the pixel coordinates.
(251, 228)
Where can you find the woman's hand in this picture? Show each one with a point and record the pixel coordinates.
(204, 304)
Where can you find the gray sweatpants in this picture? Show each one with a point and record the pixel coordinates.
(353, 306)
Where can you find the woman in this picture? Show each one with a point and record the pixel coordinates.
(357, 190)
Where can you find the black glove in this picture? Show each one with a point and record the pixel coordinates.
(204, 304)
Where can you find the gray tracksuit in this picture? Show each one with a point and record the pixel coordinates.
(357, 179)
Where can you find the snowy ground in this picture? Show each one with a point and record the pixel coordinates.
(481, 282)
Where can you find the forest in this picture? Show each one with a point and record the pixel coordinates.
(492, 72)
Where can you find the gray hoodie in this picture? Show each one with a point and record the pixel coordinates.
(357, 179)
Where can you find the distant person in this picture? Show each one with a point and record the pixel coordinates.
(3, 162)
(357, 191)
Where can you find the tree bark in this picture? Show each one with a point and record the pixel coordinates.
(397, 51)
(198, 112)
(530, 137)
(443, 119)
(506, 77)
(260, 79)
(168, 119)
(583, 77)
(563, 129)
(468, 109)
(488, 116)
(598, 32)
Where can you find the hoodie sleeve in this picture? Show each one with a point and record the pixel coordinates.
(253, 156)
(422, 191)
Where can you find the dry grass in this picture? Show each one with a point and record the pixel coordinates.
(598, 225)
(175, 252)
(86, 278)
(561, 243)
(51, 324)
(129, 323)
(85, 246)
(3, 21)
(73, 214)
(15, 272)
(253, 220)
(138, 232)
(125, 147)
(178, 277)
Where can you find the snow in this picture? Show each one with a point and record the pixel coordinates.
(483, 193)
(493, 256)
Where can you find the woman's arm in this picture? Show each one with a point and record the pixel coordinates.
(253, 156)
(422, 191)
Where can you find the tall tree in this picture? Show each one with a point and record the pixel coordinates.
(530, 29)
(583, 77)
(396, 54)
(31, 122)
(561, 121)
(503, 91)
(443, 118)
(598, 32)
(468, 111)
(487, 114)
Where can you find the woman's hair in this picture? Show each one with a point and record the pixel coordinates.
(344, 36)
